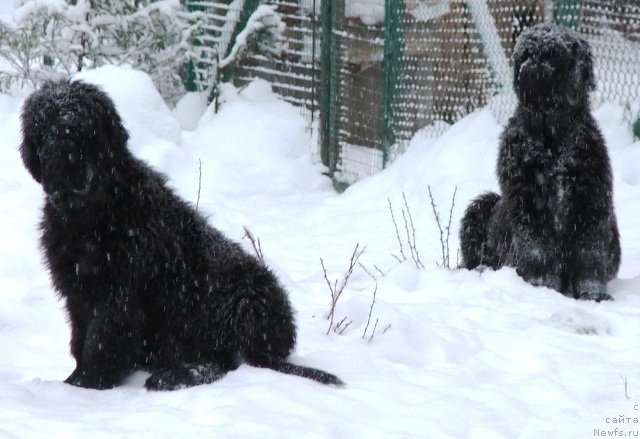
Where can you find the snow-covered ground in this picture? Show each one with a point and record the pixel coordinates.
(455, 354)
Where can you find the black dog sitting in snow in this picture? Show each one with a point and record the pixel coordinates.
(554, 221)
(147, 282)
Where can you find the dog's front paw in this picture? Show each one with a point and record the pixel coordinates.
(595, 296)
(592, 290)
(88, 380)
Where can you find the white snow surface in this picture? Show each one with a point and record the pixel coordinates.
(369, 11)
(456, 353)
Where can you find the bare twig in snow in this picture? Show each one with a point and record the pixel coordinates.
(395, 224)
(445, 233)
(409, 232)
(255, 243)
(382, 273)
(411, 237)
(199, 182)
(336, 288)
(373, 302)
(371, 275)
(341, 326)
(373, 333)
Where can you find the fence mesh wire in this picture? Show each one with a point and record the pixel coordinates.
(370, 74)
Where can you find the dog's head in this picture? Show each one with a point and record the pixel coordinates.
(553, 69)
(71, 134)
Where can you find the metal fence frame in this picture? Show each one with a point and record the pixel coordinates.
(368, 88)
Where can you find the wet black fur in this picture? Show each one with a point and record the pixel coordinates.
(555, 220)
(147, 283)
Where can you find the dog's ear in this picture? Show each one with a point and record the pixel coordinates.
(101, 110)
(31, 160)
(116, 131)
(29, 145)
(113, 125)
(584, 64)
(582, 79)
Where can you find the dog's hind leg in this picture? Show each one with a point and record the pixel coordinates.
(474, 231)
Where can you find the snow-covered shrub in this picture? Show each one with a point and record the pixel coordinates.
(54, 37)
(263, 34)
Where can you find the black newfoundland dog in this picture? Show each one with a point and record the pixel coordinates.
(148, 284)
(555, 221)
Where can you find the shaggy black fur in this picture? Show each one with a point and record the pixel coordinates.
(147, 282)
(555, 221)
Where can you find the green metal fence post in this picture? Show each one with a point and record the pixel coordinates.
(314, 63)
(328, 151)
(393, 51)
(189, 76)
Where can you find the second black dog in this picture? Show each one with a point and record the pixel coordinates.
(555, 220)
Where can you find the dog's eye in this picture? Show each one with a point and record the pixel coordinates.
(525, 55)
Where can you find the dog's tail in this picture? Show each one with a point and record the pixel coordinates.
(474, 228)
(307, 372)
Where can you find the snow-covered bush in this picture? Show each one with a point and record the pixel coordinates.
(263, 34)
(59, 37)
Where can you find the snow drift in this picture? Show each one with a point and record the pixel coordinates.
(455, 354)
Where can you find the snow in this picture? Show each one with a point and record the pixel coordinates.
(52, 7)
(371, 12)
(456, 353)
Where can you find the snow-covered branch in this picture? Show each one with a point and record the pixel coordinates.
(56, 37)
(262, 34)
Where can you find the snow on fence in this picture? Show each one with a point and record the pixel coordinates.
(370, 74)
(292, 74)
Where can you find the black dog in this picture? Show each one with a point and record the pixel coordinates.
(555, 221)
(147, 282)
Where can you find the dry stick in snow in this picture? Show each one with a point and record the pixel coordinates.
(374, 330)
(453, 203)
(411, 237)
(444, 233)
(371, 275)
(339, 329)
(395, 224)
(337, 290)
(410, 234)
(373, 302)
(199, 182)
(255, 243)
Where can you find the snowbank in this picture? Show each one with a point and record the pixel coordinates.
(153, 127)
(455, 354)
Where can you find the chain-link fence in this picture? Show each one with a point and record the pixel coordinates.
(294, 75)
(370, 74)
